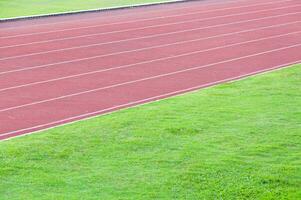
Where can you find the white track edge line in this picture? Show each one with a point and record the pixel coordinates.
(118, 23)
(95, 18)
(148, 78)
(99, 10)
(147, 101)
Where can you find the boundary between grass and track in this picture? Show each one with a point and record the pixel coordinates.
(93, 10)
(136, 103)
(150, 100)
(228, 1)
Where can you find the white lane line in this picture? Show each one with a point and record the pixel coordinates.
(121, 31)
(141, 102)
(156, 60)
(135, 50)
(135, 29)
(118, 23)
(148, 78)
(129, 14)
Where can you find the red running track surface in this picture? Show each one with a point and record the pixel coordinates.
(62, 69)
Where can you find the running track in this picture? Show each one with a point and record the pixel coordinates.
(62, 69)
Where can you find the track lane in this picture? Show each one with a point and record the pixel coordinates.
(112, 16)
(106, 19)
(139, 26)
(45, 46)
(97, 33)
(33, 94)
(76, 55)
(182, 67)
(41, 116)
(42, 76)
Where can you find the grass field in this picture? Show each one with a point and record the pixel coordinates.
(239, 140)
(16, 8)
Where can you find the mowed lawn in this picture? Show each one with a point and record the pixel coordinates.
(16, 8)
(239, 140)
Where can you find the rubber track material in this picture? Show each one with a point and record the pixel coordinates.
(58, 71)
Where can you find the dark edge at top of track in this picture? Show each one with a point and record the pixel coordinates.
(93, 10)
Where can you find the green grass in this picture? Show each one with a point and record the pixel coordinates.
(16, 8)
(239, 140)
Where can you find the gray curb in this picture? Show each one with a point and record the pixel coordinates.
(93, 10)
